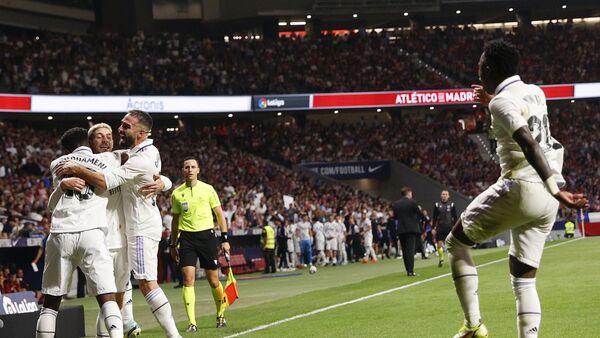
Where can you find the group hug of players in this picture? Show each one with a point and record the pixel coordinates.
(106, 222)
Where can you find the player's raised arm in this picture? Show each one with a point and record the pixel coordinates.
(536, 158)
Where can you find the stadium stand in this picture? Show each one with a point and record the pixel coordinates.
(178, 64)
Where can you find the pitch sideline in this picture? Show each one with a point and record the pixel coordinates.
(381, 293)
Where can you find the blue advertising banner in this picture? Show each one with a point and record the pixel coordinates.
(351, 170)
(20, 302)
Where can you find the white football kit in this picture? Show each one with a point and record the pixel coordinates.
(319, 236)
(331, 236)
(143, 223)
(77, 233)
(519, 200)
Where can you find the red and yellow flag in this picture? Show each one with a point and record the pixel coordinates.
(231, 292)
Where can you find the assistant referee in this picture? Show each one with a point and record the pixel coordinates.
(193, 238)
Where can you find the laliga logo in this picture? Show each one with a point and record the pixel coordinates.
(23, 306)
(263, 103)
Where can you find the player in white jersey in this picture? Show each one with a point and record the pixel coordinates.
(319, 242)
(525, 198)
(101, 141)
(366, 230)
(341, 233)
(142, 217)
(289, 233)
(77, 235)
(331, 240)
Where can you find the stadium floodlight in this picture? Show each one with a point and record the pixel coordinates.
(297, 23)
(89, 118)
(355, 15)
(572, 101)
(431, 108)
(405, 13)
(175, 117)
(279, 114)
(282, 23)
(309, 16)
(336, 111)
(564, 6)
(458, 11)
(230, 115)
(379, 110)
(474, 106)
(511, 9)
(50, 117)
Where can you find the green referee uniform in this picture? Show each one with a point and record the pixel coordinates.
(196, 226)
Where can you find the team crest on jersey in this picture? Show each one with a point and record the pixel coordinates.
(185, 206)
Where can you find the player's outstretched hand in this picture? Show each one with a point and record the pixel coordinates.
(67, 168)
(481, 95)
(573, 201)
(72, 183)
(152, 188)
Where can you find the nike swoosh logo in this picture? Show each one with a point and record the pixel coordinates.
(370, 170)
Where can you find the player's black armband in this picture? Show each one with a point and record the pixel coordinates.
(224, 238)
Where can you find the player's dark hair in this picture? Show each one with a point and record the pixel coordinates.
(189, 158)
(143, 118)
(502, 56)
(405, 191)
(74, 138)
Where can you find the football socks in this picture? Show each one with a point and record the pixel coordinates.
(529, 310)
(189, 301)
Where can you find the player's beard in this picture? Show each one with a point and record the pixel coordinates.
(126, 141)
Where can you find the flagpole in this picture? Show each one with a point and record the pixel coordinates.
(582, 223)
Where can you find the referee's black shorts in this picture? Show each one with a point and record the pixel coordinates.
(201, 245)
(442, 232)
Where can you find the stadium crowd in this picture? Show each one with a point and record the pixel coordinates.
(569, 51)
(177, 64)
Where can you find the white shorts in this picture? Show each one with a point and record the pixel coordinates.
(320, 243)
(297, 246)
(341, 244)
(331, 244)
(143, 257)
(86, 249)
(526, 208)
(121, 268)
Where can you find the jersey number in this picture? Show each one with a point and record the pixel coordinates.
(85, 194)
(540, 129)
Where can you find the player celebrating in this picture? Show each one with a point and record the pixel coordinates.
(76, 238)
(525, 198)
(101, 141)
(444, 217)
(142, 217)
(192, 205)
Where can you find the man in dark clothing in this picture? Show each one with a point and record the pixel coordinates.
(444, 218)
(408, 215)
(282, 245)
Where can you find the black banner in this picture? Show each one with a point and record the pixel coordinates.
(351, 170)
(280, 102)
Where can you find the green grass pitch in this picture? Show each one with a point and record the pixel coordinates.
(567, 285)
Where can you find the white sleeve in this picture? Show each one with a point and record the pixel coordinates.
(54, 197)
(167, 182)
(507, 114)
(134, 166)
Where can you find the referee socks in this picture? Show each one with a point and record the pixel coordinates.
(189, 301)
